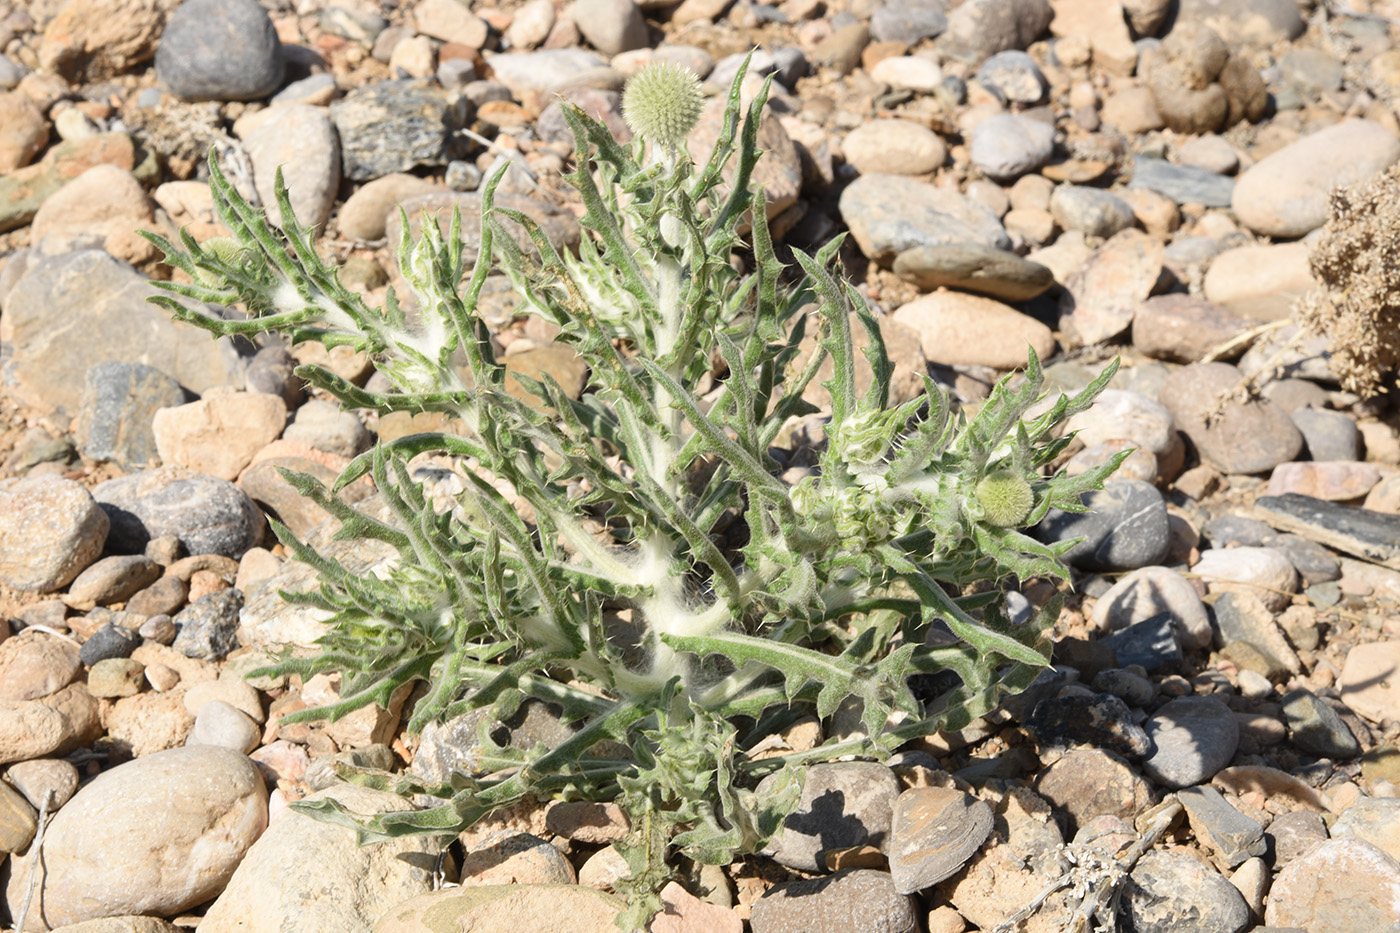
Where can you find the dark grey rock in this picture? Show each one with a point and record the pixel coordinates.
(1372, 536)
(1184, 184)
(270, 372)
(396, 126)
(1151, 644)
(843, 804)
(1314, 563)
(1235, 531)
(1124, 529)
(114, 417)
(598, 103)
(889, 214)
(1195, 737)
(1170, 893)
(1316, 726)
(791, 65)
(110, 641)
(1015, 76)
(1100, 720)
(979, 28)
(220, 50)
(1330, 435)
(855, 899)
(908, 21)
(974, 267)
(1131, 688)
(1233, 835)
(209, 515)
(208, 627)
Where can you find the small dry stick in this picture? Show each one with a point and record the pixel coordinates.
(37, 849)
(1096, 881)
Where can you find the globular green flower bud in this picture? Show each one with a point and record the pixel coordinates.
(661, 104)
(1005, 497)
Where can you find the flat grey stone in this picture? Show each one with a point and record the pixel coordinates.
(395, 126)
(1317, 728)
(1232, 834)
(1124, 529)
(1371, 536)
(1184, 184)
(1195, 737)
(114, 417)
(974, 267)
(935, 831)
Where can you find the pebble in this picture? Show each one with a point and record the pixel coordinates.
(395, 126)
(220, 433)
(981, 28)
(109, 641)
(1120, 415)
(1091, 211)
(968, 330)
(1008, 146)
(909, 73)
(542, 71)
(1169, 892)
(111, 580)
(1262, 572)
(1150, 644)
(1102, 296)
(888, 214)
(1184, 184)
(1259, 282)
(104, 205)
(934, 831)
(586, 821)
(208, 627)
(111, 678)
(1229, 834)
(208, 515)
(114, 416)
(236, 693)
(1015, 76)
(1329, 435)
(18, 820)
(1130, 687)
(220, 50)
(855, 899)
(173, 857)
(308, 875)
(1240, 616)
(974, 267)
(51, 778)
(611, 26)
(908, 21)
(843, 804)
(1249, 437)
(541, 908)
(50, 530)
(1286, 194)
(35, 664)
(1087, 783)
(894, 147)
(1370, 680)
(515, 858)
(1148, 591)
(1096, 719)
(1209, 153)
(299, 141)
(1336, 481)
(531, 25)
(1124, 529)
(1316, 727)
(220, 725)
(1195, 737)
(1340, 886)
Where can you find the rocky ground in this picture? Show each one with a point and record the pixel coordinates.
(1216, 746)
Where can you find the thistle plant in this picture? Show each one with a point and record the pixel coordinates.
(753, 602)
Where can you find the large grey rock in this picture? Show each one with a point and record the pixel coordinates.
(220, 50)
(1248, 436)
(1124, 529)
(843, 804)
(974, 267)
(299, 141)
(1177, 893)
(395, 126)
(207, 514)
(72, 311)
(156, 835)
(304, 874)
(889, 214)
(114, 419)
(1195, 737)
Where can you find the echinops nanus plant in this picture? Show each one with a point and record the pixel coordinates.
(753, 602)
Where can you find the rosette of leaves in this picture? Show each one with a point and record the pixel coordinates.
(753, 603)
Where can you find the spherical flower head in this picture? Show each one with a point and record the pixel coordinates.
(1005, 497)
(661, 104)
